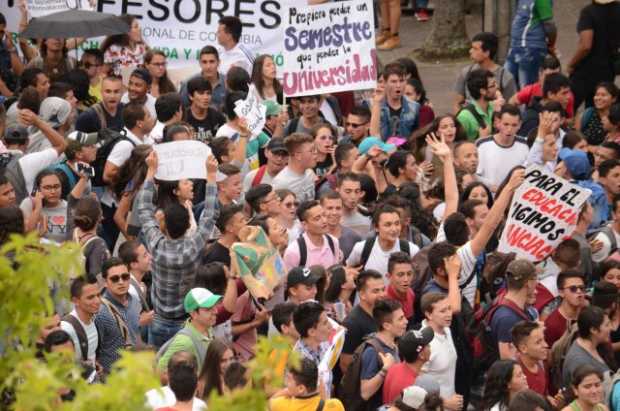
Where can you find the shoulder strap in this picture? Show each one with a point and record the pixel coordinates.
(143, 301)
(586, 117)
(81, 334)
(366, 250)
(504, 302)
(120, 322)
(501, 78)
(98, 108)
(69, 173)
(321, 405)
(303, 251)
(258, 177)
(201, 349)
(404, 247)
(472, 109)
(330, 242)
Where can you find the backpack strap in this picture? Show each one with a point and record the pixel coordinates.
(64, 167)
(505, 302)
(259, 175)
(99, 110)
(332, 246)
(404, 246)
(303, 251)
(120, 322)
(81, 334)
(201, 349)
(321, 405)
(366, 250)
(472, 109)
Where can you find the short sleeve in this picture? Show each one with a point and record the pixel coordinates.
(585, 22)
(503, 328)
(120, 153)
(356, 255)
(33, 163)
(603, 253)
(459, 86)
(370, 363)
(524, 96)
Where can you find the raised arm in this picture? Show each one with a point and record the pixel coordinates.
(144, 203)
(440, 149)
(29, 118)
(375, 111)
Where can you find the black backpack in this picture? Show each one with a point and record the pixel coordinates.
(303, 250)
(350, 386)
(108, 138)
(404, 247)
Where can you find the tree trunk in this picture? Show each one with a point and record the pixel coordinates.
(448, 36)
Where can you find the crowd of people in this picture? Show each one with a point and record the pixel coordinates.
(386, 216)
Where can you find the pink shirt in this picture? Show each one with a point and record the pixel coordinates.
(317, 255)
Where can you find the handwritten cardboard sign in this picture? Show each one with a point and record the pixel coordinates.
(179, 160)
(329, 48)
(253, 111)
(544, 211)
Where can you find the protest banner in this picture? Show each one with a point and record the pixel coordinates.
(40, 8)
(329, 48)
(179, 160)
(257, 262)
(253, 111)
(544, 211)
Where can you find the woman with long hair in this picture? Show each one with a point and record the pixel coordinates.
(129, 181)
(124, 50)
(477, 191)
(53, 58)
(504, 380)
(155, 62)
(179, 191)
(325, 136)
(338, 293)
(288, 217)
(590, 122)
(265, 80)
(414, 91)
(586, 390)
(219, 356)
(80, 84)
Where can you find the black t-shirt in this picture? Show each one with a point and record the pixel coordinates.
(323, 167)
(206, 128)
(359, 324)
(88, 121)
(603, 20)
(217, 253)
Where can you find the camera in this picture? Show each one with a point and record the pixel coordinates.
(86, 170)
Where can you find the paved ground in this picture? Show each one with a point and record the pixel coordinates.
(439, 77)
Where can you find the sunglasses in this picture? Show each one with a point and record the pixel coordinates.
(116, 278)
(354, 125)
(575, 288)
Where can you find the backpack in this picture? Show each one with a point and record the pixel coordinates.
(201, 349)
(303, 250)
(108, 138)
(370, 242)
(81, 334)
(485, 348)
(350, 386)
(612, 386)
(558, 352)
(472, 109)
(66, 170)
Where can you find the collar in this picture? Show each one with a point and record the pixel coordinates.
(194, 330)
(312, 246)
(114, 301)
(391, 292)
(133, 137)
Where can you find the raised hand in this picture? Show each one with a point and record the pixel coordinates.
(438, 146)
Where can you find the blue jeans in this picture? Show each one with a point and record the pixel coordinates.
(163, 329)
(524, 65)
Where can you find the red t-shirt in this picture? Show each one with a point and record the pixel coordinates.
(399, 377)
(527, 93)
(536, 381)
(555, 326)
(406, 303)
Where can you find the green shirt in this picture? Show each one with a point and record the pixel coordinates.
(469, 122)
(182, 342)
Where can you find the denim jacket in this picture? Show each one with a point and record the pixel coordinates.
(405, 125)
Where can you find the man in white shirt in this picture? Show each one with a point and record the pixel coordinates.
(277, 157)
(232, 53)
(79, 323)
(298, 176)
(503, 151)
(138, 90)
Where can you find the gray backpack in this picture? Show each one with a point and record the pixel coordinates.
(199, 346)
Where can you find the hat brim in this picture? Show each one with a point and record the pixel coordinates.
(311, 279)
(210, 302)
(279, 150)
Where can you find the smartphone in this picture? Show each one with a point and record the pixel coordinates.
(86, 169)
(34, 191)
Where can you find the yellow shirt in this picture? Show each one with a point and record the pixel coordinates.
(303, 404)
(95, 91)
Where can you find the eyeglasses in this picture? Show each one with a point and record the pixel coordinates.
(292, 205)
(55, 187)
(575, 288)
(354, 125)
(116, 278)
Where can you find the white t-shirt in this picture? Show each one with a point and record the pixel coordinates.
(249, 177)
(468, 263)
(495, 161)
(442, 364)
(300, 184)
(237, 56)
(357, 222)
(328, 113)
(91, 334)
(157, 133)
(56, 219)
(164, 397)
(378, 258)
(33, 163)
(149, 104)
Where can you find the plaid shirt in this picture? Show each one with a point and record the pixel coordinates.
(175, 261)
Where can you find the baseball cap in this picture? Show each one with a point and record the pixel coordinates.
(273, 108)
(370, 142)
(301, 275)
(417, 339)
(520, 270)
(16, 133)
(414, 396)
(143, 74)
(200, 298)
(82, 138)
(55, 111)
(276, 145)
(604, 1)
(577, 163)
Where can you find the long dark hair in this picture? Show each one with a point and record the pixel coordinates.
(165, 84)
(211, 369)
(258, 80)
(135, 168)
(418, 139)
(420, 218)
(338, 278)
(469, 188)
(498, 379)
(165, 193)
(118, 39)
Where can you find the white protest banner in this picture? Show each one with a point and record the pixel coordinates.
(253, 111)
(544, 211)
(181, 159)
(40, 8)
(329, 48)
(181, 28)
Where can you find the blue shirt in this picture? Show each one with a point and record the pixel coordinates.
(371, 365)
(527, 26)
(402, 126)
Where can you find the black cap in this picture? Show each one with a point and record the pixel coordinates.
(414, 341)
(301, 275)
(16, 134)
(143, 74)
(276, 145)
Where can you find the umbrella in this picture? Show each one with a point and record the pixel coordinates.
(75, 23)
